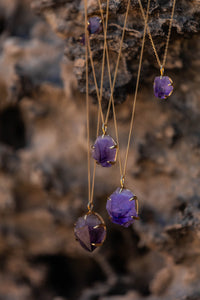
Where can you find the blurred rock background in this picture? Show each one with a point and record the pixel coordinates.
(43, 150)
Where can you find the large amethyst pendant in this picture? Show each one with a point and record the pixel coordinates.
(163, 87)
(90, 231)
(104, 151)
(122, 207)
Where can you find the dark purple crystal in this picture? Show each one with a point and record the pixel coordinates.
(121, 207)
(104, 151)
(163, 87)
(94, 25)
(82, 39)
(90, 231)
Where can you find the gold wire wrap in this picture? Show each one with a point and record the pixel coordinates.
(122, 182)
(162, 71)
(104, 128)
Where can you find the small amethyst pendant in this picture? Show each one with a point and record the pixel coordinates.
(95, 25)
(104, 151)
(163, 87)
(82, 39)
(122, 207)
(90, 231)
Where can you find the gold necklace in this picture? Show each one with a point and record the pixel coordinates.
(90, 229)
(122, 205)
(163, 85)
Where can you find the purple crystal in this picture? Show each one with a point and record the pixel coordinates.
(121, 207)
(90, 231)
(94, 25)
(82, 39)
(104, 151)
(163, 87)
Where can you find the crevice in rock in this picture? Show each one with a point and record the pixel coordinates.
(12, 127)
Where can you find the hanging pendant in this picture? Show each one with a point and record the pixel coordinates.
(163, 87)
(95, 25)
(90, 231)
(122, 207)
(104, 151)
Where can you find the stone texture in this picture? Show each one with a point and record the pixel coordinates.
(186, 22)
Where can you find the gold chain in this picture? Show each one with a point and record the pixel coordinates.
(112, 85)
(161, 65)
(87, 104)
(135, 96)
(90, 204)
(169, 34)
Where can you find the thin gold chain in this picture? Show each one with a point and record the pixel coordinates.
(104, 121)
(105, 42)
(95, 81)
(101, 90)
(112, 85)
(90, 203)
(87, 104)
(169, 34)
(119, 55)
(161, 65)
(99, 96)
(136, 92)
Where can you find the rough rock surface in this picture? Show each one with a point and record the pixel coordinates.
(67, 19)
(43, 150)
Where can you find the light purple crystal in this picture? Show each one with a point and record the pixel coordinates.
(104, 151)
(94, 25)
(121, 207)
(90, 231)
(163, 87)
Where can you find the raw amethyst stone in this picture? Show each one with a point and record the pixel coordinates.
(90, 231)
(104, 151)
(94, 25)
(163, 87)
(121, 207)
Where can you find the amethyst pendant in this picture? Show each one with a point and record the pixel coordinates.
(122, 207)
(104, 151)
(90, 231)
(163, 87)
(94, 25)
(82, 39)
